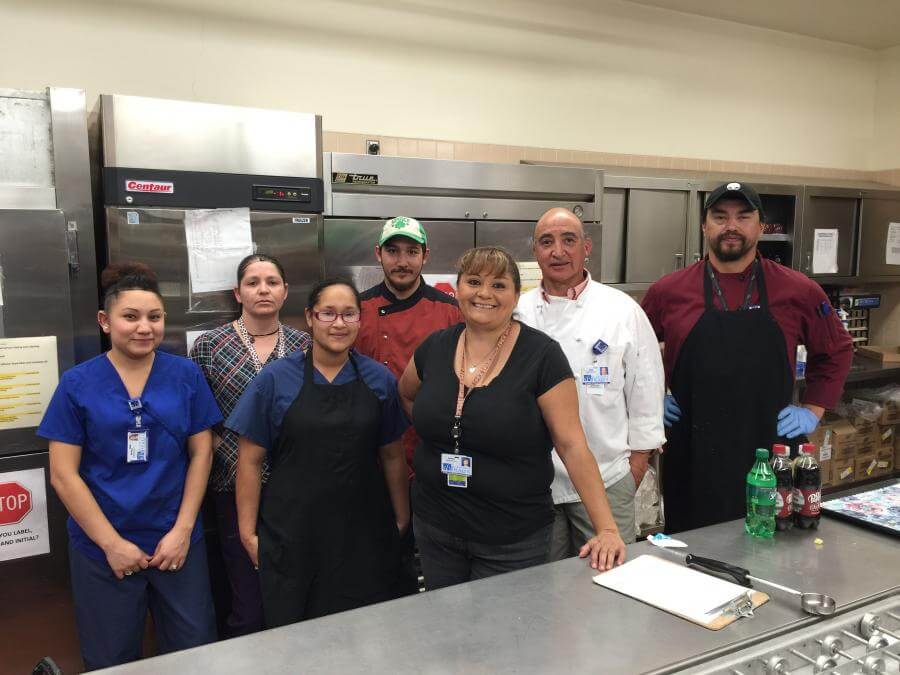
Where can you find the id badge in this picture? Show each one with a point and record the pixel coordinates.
(137, 446)
(459, 465)
(458, 481)
(595, 376)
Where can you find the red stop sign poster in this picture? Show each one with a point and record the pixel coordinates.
(15, 503)
(446, 288)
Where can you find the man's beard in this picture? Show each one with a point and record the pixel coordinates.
(731, 253)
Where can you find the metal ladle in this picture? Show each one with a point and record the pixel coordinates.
(811, 603)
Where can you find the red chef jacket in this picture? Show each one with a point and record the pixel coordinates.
(391, 329)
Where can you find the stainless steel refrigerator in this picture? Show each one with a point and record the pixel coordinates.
(48, 297)
(163, 159)
(460, 204)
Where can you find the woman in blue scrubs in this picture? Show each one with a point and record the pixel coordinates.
(130, 453)
(325, 534)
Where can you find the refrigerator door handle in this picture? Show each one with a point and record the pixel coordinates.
(72, 246)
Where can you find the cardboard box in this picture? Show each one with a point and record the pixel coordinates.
(826, 472)
(883, 354)
(865, 466)
(886, 435)
(884, 465)
(839, 436)
(890, 413)
(842, 471)
(897, 449)
(867, 430)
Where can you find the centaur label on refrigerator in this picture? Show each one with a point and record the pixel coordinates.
(154, 186)
(24, 530)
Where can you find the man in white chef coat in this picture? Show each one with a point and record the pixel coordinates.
(616, 360)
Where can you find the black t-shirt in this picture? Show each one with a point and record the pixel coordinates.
(508, 494)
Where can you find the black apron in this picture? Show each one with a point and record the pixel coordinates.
(731, 379)
(328, 538)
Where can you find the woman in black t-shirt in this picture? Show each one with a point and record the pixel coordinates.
(493, 397)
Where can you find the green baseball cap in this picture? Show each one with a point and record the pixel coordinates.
(401, 226)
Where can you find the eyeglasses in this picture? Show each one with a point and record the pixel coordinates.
(330, 316)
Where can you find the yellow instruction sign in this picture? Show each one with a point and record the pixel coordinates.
(29, 373)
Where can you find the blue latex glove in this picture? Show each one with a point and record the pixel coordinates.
(671, 411)
(796, 420)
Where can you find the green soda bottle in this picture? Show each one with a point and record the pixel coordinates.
(760, 521)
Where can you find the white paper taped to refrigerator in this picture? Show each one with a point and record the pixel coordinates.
(217, 240)
(29, 373)
(891, 247)
(190, 337)
(825, 250)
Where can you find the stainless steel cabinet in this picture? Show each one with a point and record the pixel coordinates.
(879, 210)
(349, 247)
(611, 247)
(655, 233)
(156, 237)
(830, 209)
(34, 272)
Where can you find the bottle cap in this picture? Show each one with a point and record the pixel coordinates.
(779, 449)
(762, 453)
(808, 448)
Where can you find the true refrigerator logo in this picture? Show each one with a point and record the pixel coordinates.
(154, 186)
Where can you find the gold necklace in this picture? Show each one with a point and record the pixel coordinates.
(490, 356)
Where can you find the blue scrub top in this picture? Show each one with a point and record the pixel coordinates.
(90, 409)
(260, 412)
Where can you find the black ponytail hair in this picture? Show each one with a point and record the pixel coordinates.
(127, 276)
(318, 289)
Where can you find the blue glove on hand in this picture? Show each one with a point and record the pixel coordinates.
(671, 411)
(796, 420)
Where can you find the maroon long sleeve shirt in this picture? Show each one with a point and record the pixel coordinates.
(675, 303)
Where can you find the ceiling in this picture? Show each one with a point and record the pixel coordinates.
(873, 24)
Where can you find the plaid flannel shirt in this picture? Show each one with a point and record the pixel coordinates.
(228, 368)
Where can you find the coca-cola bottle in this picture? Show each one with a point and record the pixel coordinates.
(807, 488)
(781, 467)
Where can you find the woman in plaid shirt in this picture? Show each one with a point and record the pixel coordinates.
(230, 357)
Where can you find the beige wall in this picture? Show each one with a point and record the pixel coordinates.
(596, 75)
(886, 150)
(884, 324)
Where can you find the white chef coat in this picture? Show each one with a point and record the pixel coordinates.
(620, 416)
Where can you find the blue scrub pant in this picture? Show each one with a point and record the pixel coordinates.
(110, 613)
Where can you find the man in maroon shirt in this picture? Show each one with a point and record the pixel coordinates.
(731, 324)
(397, 315)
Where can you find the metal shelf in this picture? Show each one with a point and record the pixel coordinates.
(776, 237)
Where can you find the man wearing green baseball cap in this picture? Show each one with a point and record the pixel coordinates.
(398, 314)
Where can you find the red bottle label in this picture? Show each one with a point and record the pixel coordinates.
(783, 503)
(807, 502)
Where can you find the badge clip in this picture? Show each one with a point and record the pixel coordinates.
(599, 347)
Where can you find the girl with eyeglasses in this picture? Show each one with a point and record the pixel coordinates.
(324, 531)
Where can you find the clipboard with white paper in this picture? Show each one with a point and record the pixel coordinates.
(700, 598)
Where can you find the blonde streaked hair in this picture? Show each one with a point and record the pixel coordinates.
(493, 260)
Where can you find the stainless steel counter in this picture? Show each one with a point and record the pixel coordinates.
(552, 618)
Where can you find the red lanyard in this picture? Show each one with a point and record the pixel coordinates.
(483, 369)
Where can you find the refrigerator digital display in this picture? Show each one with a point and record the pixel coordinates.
(274, 193)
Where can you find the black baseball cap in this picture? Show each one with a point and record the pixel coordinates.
(735, 190)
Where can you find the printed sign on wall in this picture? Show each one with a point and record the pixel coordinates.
(24, 530)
